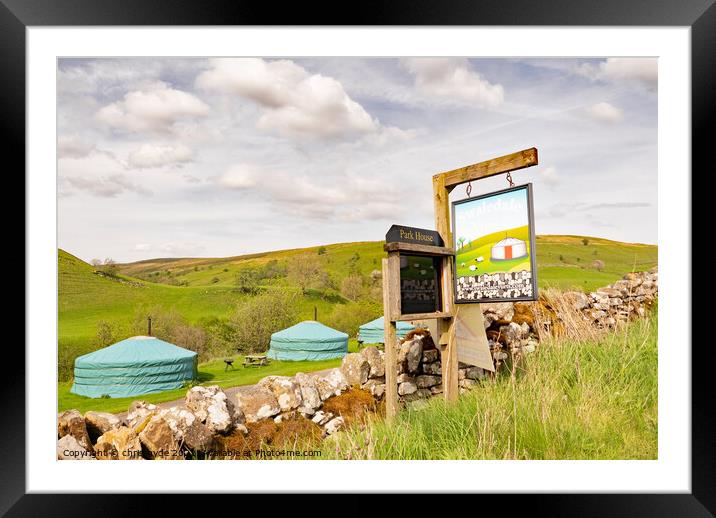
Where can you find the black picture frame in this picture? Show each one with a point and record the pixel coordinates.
(699, 15)
(533, 250)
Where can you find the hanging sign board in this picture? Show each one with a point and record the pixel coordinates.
(495, 247)
(472, 345)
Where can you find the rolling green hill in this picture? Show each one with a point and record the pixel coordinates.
(199, 288)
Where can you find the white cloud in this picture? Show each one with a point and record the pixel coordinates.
(605, 112)
(240, 177)
(152, 155)
(452, 78)
(549, 175)
(105, 186)
(72, 146)
(154, 109)
(643, 71)
(295, 102)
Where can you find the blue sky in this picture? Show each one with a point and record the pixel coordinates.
(215, 157)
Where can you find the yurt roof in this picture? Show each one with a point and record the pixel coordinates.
(509, 241)
(134, 351)
(309, 330)
(378, 323)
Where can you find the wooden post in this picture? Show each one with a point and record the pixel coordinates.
(445, 339)
(391, 310)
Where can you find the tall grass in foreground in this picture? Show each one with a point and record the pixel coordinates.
(590, 399)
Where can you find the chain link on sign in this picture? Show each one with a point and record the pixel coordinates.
(509, 180)
(468, 189)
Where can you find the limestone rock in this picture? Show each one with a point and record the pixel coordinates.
(501, 310)
(334, 425)
(376, 360)
(321, 417)
(609, 292)
(578, 300)
(139, 414)
(511, 332)
(406, 388)
(355, 368)
(402, 378)
(410, 353)
(257, 403)
(431, 356)
(376, 387)
(69, 448)
(331, 384)
(310, 398)
(121, 443)
(71, 422)
(213, 408)
(98, 423)
(286, 390)
(425, 381)
(434, 368)
(188, 429)
(159, 440)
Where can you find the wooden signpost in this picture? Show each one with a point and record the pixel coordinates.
(425, 243)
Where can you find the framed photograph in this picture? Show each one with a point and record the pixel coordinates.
(495, 253)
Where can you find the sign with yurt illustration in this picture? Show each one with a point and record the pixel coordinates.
(494, 247)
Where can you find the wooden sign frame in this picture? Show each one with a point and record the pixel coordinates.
(443, 184)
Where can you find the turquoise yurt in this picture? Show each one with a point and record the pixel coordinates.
(308, 340)
(137, 365)
(372, 332)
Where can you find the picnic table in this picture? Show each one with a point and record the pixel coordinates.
(255, 360)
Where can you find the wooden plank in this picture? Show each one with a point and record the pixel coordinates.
(390, 338)
(449, 362)
(424, 316)
(441, 205)
(419, 249)
(394, 287)
(499, 165)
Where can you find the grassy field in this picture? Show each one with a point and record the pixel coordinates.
(210, 373)
(588, 400)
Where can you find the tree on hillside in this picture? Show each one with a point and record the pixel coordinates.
(461, 242)
(351, 287)
(306, 271)
(321, 250)
(107, 267)
(598, 265)
(585, 241)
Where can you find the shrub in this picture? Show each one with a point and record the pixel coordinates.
(106, 333)
(321, 250)
(585, 241)
(255, 320)
(247, 281)
(348, 317)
